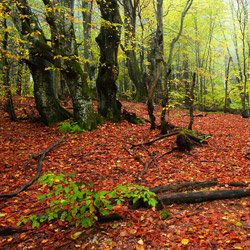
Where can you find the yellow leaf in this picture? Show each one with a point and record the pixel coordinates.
(140, 242)
(184, 241)
(10, 239)
(76, 235)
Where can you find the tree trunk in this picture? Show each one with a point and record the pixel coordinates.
(226, 85)
(46, 103)
(87, 16)
(108, 41)
(134, 71)
(191, 103)
(197, 197)
(167, 65)
(65, 46)
(6, 71)
(157, 58)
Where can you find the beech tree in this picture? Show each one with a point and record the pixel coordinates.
(39, 55)
(108, 41)
(63, 54)
(5, 68)
(130, 49)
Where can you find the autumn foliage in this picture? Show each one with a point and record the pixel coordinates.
(98, 158)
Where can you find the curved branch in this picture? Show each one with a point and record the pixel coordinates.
(42, 155)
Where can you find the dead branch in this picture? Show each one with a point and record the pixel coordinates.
(42, 155)
(147, 165)
(156, 139)
(136, 157)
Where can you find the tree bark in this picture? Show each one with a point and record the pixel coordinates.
(65, 47)
(134, 71)
(46, 103)
(197, 197)
(191, 103)
(158, 52)
(6, 70)
(108, 41)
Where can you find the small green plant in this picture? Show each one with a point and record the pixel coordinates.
(207, 137)
(80, 204)
(70, 127)
(164, 214)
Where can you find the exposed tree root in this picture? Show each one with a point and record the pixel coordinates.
(41, 155)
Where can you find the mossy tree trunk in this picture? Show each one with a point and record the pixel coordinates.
(65, 46)
(108, 41)
(46, 103)
(29, 29)
(6, 70)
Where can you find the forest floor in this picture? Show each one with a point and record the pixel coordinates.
(99, 157)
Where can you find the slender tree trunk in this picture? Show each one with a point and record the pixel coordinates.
(6, 71)
(108, 41)
(134, 70)
(157, 54)
(167, 65)
(191, 103)
(226, 85)
(87, 16)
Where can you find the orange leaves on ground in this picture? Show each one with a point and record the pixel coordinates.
(98, 157)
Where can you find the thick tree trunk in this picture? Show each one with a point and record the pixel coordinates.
(46, 103)
(108, 41)
(64, 45)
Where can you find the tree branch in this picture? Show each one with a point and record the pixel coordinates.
(42, 155)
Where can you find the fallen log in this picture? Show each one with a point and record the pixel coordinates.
(202, 196)
(42, 155)
(184, 186)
